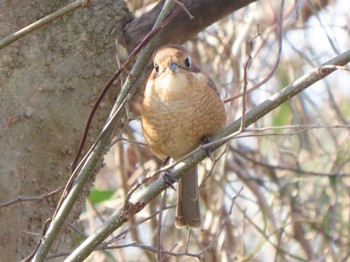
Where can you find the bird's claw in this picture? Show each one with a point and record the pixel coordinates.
(169, 180)
(206, 140)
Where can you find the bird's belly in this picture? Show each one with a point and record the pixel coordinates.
(176, 128)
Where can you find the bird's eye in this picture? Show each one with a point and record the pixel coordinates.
(156, 68)
(188, 62)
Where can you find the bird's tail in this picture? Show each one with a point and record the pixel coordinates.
(187, 211)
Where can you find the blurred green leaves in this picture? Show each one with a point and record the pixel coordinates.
(98, 196)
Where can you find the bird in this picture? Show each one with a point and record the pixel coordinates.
(181, 108)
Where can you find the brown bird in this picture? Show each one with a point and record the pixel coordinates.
(181, 107)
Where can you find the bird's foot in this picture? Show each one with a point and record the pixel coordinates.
(169, 179)
(206, 140)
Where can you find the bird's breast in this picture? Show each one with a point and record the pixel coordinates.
(172, 87)
(177, 112)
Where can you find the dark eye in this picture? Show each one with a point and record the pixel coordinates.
(156, 68)
(188, 62)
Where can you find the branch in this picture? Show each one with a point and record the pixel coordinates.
(139, 201)
(30, 198)
(204, 13)
(41, 22)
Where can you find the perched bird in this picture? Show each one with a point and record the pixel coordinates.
(181, 107)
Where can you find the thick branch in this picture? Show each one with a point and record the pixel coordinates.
(205, 13)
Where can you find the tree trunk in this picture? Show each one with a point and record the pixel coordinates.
(49, 81)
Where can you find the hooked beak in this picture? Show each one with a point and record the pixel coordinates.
(173, 66)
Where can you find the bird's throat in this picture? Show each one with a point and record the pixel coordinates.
(173, 86)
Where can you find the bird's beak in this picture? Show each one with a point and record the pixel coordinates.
(173, 66)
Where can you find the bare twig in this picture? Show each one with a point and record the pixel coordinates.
(30, 198)
(245, 83)
(279, 33)
(184, 8)
(41, 22)
(160, 223)
(295, 170)
(233, 200)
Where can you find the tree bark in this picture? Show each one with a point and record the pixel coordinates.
(49, 81)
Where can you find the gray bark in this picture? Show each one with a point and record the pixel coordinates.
(48, 83)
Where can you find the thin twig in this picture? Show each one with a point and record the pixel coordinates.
(41, 22)
(296, 170)
(30, 198)
(279, 33)
(245, 83)
(160, 223)
(233, 201)
(184, 8)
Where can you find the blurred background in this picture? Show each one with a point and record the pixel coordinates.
(280, 190)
